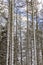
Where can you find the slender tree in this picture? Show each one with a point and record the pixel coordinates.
(10, 39)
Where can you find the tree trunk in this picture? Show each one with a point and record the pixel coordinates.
(10, 39)
(34, 33)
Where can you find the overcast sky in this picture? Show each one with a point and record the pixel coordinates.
(5, 0)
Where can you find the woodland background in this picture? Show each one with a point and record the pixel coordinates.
(21, 32)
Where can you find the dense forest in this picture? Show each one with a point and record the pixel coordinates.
(21, 32)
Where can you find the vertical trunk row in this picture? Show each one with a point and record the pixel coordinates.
(39, 43)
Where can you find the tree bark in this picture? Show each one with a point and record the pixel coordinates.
(10, 39)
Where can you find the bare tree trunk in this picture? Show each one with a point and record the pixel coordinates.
(37, 36)
(20, 39)
(35, 54)
(16, 41)
(42, 47)
(0, 19)
(0, 32)
(0, 45)
(13, 1)
(27, 35)
(10, 39)
(35, 60)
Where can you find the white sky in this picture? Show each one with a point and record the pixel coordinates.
(39, 0)
(5, 0)
(40, 6)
